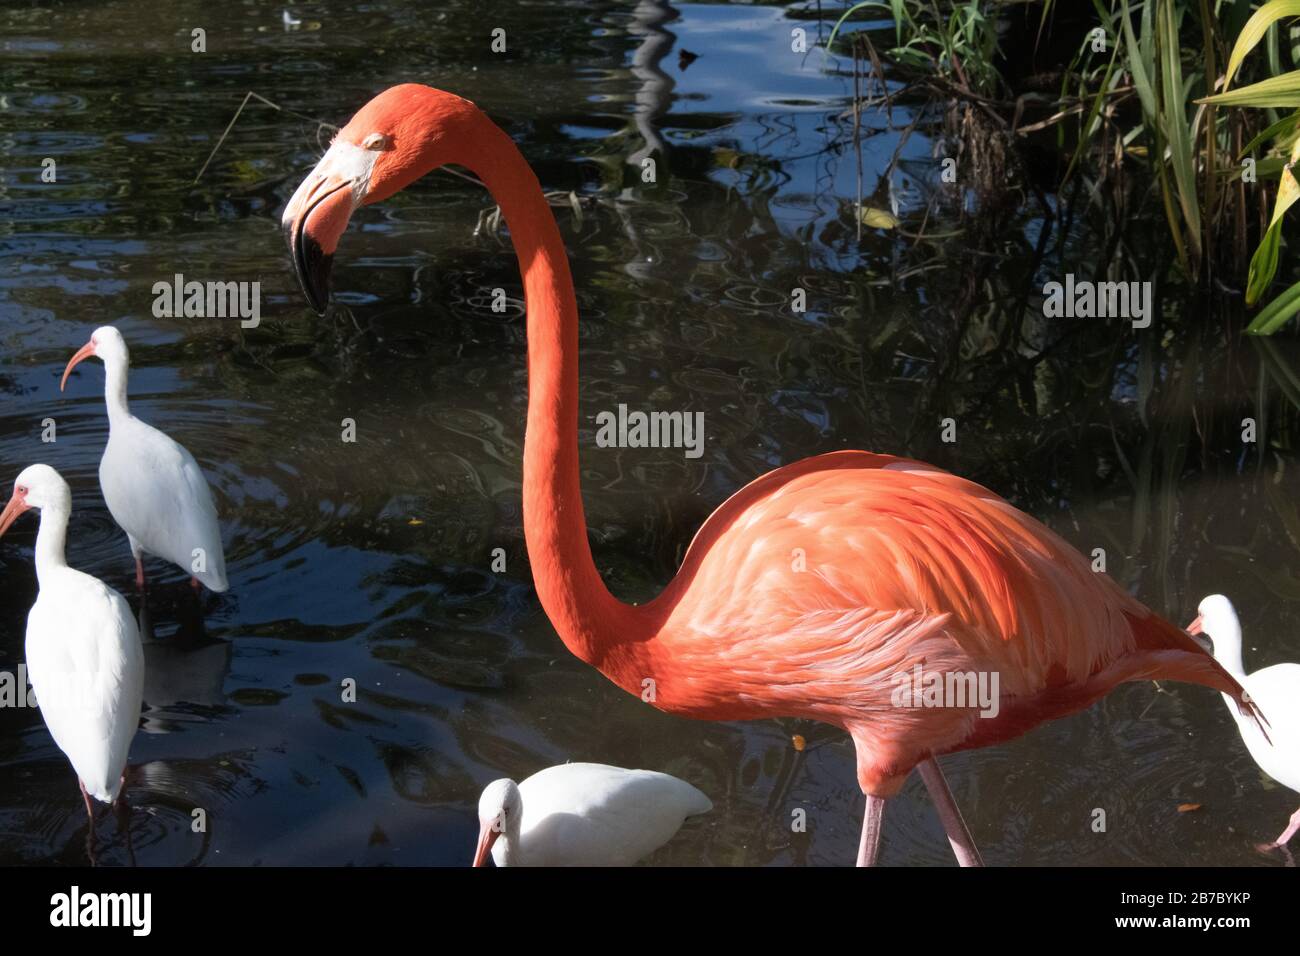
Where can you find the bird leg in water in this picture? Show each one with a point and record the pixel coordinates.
(1286, 835)
(872, 823)
(90, 809)
(139, 573)
(962, 844)
(123, 811)
(90, 829)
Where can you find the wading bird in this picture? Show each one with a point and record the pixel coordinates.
(83, 651)
(811, 590)
(583, 814)
(153, 487)
(1276, 691)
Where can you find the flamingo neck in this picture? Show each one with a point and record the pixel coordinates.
(587, 617)
(51, 542)
(115, 391)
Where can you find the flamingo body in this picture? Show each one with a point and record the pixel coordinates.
(153, 487)
(811, 589)
(585, 814)
(84, 656)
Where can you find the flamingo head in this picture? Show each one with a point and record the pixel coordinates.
(106, 344)
(38, 486)
(401, 134)
(500, 810)
(1216, 619)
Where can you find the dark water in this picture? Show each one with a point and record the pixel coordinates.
(371, 560)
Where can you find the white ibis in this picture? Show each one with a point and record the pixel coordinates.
(1275, 690)
(153, 487)
(583, 814)
(84, 658)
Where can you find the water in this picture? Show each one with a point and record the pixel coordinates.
(371, 560)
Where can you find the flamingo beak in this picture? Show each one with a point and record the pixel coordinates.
(17, 505)
(319, 212)
(487, 835)
(83, 353)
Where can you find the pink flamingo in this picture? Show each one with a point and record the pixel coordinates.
(812, 592)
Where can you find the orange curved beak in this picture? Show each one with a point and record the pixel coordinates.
(83, 353)
(487, 835)
(1197, 631)
(315, 219)
(17, 505)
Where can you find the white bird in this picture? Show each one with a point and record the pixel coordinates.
(84, 657)
(153, 487)
(583, 814)
(1275, 689)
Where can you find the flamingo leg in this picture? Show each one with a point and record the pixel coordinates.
(953, 824)
(194, 583)
(872, 824)
(139, 572)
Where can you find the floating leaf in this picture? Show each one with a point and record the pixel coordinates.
(727, 158)
(1188, 807)
(877, 218)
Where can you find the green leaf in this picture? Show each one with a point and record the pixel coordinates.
(1254, 31)
(1281, 90)
(1282, 127)
(1277, 313)
(1177, 129)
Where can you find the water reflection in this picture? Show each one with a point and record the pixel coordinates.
(371, 562)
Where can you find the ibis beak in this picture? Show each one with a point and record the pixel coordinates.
(83, 353)
(1197, 630)
(319, 212)
(17, 505)
(487, 835)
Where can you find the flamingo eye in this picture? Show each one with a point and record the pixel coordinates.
(21, 490)
(375, 141)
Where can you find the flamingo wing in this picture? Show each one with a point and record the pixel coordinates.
(812, 589)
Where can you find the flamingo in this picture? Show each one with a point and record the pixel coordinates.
(583, 814)
(153, 487)
(813, 591)
(1275, 689)
(84, 657)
